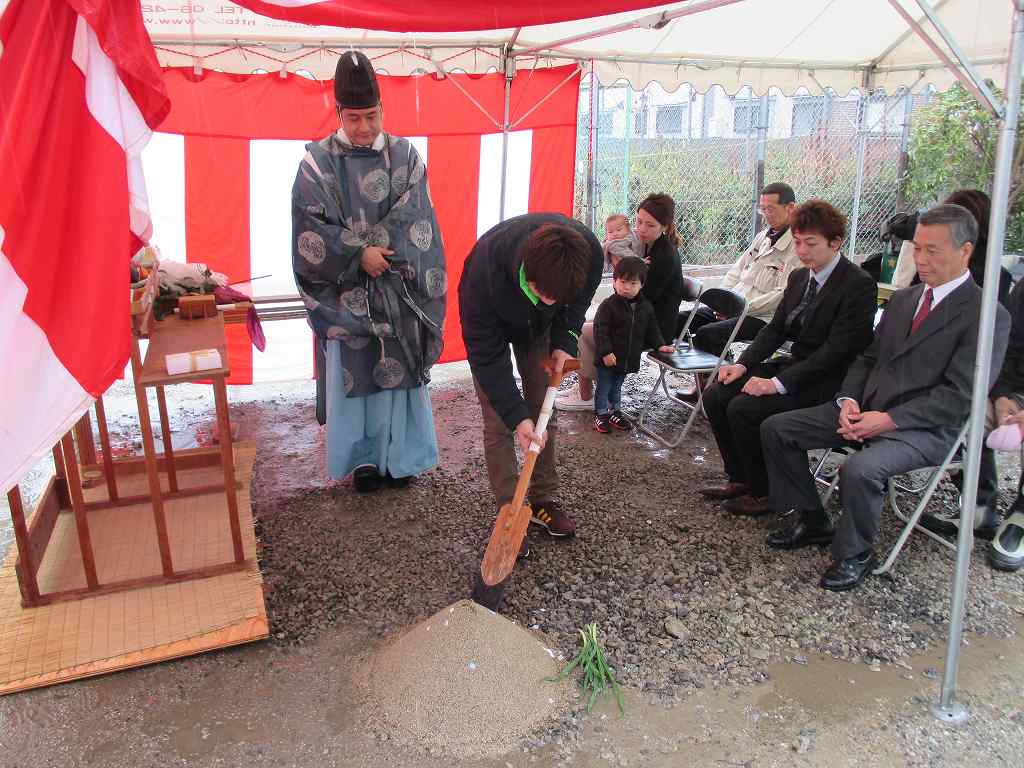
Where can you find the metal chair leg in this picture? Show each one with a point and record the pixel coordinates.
(641, 422)
(912, 521)
(641, 419)
(830, 484)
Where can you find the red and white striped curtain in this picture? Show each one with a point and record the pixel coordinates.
(80, 89)
(221, 187)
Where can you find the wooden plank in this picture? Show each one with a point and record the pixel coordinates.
(26, 564)
(108, 456)
(190, 458)
(246, 631)
(78, 506)
(165, 438)
(144, 581)
(43, 519)
(149, 450)
(173, 335)
(220, 396)
(85, 440)
(237, 314)
(84, 637)
(62, 480)
(183, 493)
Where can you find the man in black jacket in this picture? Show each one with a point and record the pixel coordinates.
(826, 312)
(528, 283)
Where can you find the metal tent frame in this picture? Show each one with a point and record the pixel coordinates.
(954, 59)
(947, 708)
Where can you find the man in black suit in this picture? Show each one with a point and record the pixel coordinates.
(827, 312)
(902, 403)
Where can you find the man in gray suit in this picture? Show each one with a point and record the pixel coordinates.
(902, 402)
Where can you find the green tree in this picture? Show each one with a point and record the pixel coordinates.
(953, 146)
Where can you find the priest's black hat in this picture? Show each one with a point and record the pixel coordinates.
(355, 84)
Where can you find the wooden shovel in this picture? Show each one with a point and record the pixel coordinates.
(510, 527)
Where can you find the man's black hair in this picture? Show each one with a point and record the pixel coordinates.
(784, 191)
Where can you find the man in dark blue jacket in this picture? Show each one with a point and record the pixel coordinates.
(528, 283)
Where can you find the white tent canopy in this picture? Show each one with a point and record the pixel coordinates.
(788, 44)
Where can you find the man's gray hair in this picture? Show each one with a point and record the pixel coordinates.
(962, 226)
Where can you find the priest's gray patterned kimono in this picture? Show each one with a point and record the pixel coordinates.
(380, 336)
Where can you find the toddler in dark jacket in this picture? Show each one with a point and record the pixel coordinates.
(623, 328)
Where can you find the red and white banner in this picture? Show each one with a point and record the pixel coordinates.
(221, 189)
(80, 89)
(438, 15)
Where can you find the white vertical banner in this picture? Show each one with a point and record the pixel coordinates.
(517, 180)
(272, 168)
(163, 163)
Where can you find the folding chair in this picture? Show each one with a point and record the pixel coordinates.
(692, 289)
(686, 359)
(953, 460)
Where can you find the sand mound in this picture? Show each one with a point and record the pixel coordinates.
(466, 681)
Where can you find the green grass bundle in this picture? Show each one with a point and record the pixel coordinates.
(597, 677)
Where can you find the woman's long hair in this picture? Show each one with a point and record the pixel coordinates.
(980, 206)
(663, 209)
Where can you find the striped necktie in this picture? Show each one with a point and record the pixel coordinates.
(809, 295)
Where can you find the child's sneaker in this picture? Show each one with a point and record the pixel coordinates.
(618, 421)
(601, 423)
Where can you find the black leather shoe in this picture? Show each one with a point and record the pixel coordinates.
(366, 480)
(802, 533)
(986, 522)
(849, 573)
(729, 490)
(398, 483)
(748, 506)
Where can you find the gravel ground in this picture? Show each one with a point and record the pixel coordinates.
(690, 603)
(650, 550)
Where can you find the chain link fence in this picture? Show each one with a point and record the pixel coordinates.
(712, 152)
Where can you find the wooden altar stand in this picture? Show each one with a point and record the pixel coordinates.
(156, 561)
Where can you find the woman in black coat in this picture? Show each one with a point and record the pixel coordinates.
(980, 206)
(656, 228)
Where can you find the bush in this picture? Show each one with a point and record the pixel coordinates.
(953, 146)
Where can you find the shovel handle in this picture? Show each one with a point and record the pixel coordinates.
(547, 408)
(554, 380)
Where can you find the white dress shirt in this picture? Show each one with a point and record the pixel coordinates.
(942, 291)
(820, 277)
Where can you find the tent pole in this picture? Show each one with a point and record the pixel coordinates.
(990, 99)
(627, 134)
(858, 188)
(510, 72)
(948, 709)
(901, 170)
(595, 86)
(964, 78)
(762, 133)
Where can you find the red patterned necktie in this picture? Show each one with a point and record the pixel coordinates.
(922, 313)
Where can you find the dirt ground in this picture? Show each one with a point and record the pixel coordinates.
(770, 671)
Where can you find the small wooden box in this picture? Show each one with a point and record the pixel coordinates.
(196, 307)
